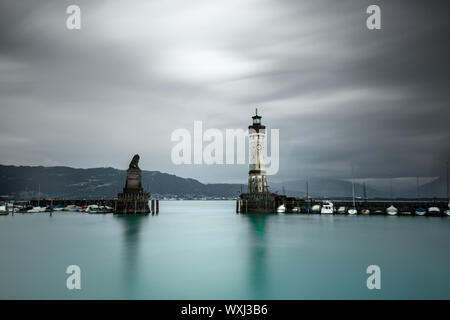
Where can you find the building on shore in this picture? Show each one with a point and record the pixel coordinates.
(133, 199)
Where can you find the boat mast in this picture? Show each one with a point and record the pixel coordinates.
(418, 193)
(365, 192)
(448, 200)
(307, 191)
(353, 190)
(390, 189)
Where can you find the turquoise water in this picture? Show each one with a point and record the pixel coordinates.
(203, 250)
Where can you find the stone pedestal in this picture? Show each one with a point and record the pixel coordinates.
(133, 199)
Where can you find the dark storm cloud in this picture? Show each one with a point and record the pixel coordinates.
(340, 94)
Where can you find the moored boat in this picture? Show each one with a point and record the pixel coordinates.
(71, 208)
(3, 210)
(434, 210)
(421, 211)
(93, 208)
(37, 209)
(392, 211)
(281, 209)
(327, 208)
(405, 211)
(352, 211)
(296, 209)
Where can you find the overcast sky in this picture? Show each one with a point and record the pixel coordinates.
(340, 94)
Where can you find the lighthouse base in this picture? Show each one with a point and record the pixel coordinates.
(259, 202)
(266, 202)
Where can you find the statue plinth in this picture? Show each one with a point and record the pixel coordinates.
(133, 183)
(133, 199)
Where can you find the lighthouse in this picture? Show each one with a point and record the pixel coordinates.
(258, 199)
(257, 181)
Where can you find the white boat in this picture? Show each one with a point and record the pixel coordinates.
(392, 211)
(296, 209)
(421, 211)
(3, 210)
(353, 211)
(447, 212)
(17, 209)
(434, 210)
(341, 210)
(365, 211)
(281, 209)
(327, 208)
(37, 209)
(93, 208)
(71, 208)
(315, 208)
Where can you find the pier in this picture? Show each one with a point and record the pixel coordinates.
(377, 207)
(50, 204)
(258, 199)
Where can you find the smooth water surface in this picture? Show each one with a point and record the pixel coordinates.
(204, 250)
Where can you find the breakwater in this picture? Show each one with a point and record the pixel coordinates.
(295, 205)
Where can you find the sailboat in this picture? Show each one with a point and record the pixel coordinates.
(391, 210)
(353, 211)
(365, 210)
(434, 210)
(3, 210)
(447, 212)
(37, 209)
(421, 211)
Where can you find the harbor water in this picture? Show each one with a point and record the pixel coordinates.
(204, 250)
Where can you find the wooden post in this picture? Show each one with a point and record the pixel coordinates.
(157, 206)
(153, 207)
(237, 206)
(246, 206)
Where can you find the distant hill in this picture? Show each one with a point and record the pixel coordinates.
(436, 188)
(22, 182)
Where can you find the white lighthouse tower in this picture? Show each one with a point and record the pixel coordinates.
(257, 181)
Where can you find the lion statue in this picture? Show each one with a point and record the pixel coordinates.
(134, 162)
